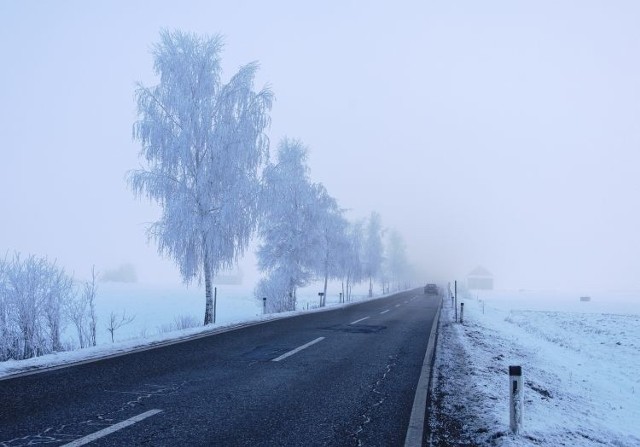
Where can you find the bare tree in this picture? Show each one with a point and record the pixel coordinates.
(117, 321)
(89, 297)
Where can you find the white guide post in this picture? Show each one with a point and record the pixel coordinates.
(516, 398)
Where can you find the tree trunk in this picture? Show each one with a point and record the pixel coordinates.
(208, 312)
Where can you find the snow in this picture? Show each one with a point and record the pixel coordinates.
(155, 309)
(579, 359)
(579, 363)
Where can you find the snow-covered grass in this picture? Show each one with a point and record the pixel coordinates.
(580, 363)
(159, 312)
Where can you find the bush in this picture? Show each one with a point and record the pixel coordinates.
(33, 295)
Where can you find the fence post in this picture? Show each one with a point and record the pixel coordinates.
(516, 399)
(461, 312)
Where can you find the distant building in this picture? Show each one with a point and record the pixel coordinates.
(229, 277)
(480, 279)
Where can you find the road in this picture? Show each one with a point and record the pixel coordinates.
(341, 377)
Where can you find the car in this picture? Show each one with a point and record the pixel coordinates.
(431, 289)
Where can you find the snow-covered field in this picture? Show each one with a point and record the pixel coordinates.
(580, 363)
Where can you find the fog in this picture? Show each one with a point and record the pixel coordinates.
(497, 133)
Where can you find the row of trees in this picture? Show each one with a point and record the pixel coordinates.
(37, 300)
(305, 236)
(206, 162)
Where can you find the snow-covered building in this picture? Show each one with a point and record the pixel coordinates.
(480, 279)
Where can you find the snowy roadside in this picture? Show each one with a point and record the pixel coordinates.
(14, 368)
(579, 370)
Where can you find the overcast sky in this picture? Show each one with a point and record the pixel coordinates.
(497, 133)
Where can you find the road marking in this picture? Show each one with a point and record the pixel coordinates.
(384, 311)
(298, 349)
(397, 305)
(107, 431)
(358, 321)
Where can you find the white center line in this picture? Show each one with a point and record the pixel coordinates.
(298, 349)
(384, 311)
(107, 431)
(358, 321)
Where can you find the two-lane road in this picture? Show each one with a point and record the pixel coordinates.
(341, 377)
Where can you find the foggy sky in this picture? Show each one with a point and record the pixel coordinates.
(496, 133)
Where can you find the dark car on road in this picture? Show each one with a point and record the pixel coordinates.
(431, 289)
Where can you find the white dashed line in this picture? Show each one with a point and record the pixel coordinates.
(298, 349)
(358, 321)
(384, 311)
(107, 431)
(397, 305)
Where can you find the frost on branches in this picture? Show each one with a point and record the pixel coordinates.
(291, 237)
(203, 144)
(373, 249)
(34, 294)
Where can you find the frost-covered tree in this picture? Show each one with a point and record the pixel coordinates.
(33, 293)
(334, 242)
(7, 334)
(290, 232)
(396, 260)
(373, 249)
(277, 290)
(203, 144)
(57, 292)
(352, 264)
(81, 312)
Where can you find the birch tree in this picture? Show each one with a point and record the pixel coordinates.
(203, 144)
(396, 259)
(373, 249)
(291, 238)
(353, 265)
(334, 243)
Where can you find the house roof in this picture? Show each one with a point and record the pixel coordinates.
(480, 271)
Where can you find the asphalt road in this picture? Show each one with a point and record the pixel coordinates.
(354, 385)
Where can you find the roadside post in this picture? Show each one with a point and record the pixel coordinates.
(516, 399)
(320, 294)
(215, 302)
(264, 305)
(461, 312)
(455, 305)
